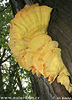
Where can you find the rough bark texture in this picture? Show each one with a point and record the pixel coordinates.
(60, 29)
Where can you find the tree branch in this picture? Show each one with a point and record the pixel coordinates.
(6, 59)
(3, 54)
(1, 85)
(19, 83)
(4, 8)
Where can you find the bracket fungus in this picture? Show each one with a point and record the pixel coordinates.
(33, 49)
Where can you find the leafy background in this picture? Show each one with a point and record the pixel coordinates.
(14, 80)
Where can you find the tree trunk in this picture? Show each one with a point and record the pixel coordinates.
(60, 29)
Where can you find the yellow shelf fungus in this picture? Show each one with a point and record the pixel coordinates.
(33, 49)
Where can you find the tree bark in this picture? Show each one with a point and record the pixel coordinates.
(60, 29)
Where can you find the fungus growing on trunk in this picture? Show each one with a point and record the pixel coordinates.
(33, 48)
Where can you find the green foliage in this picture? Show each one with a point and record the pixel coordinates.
(13, 77)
